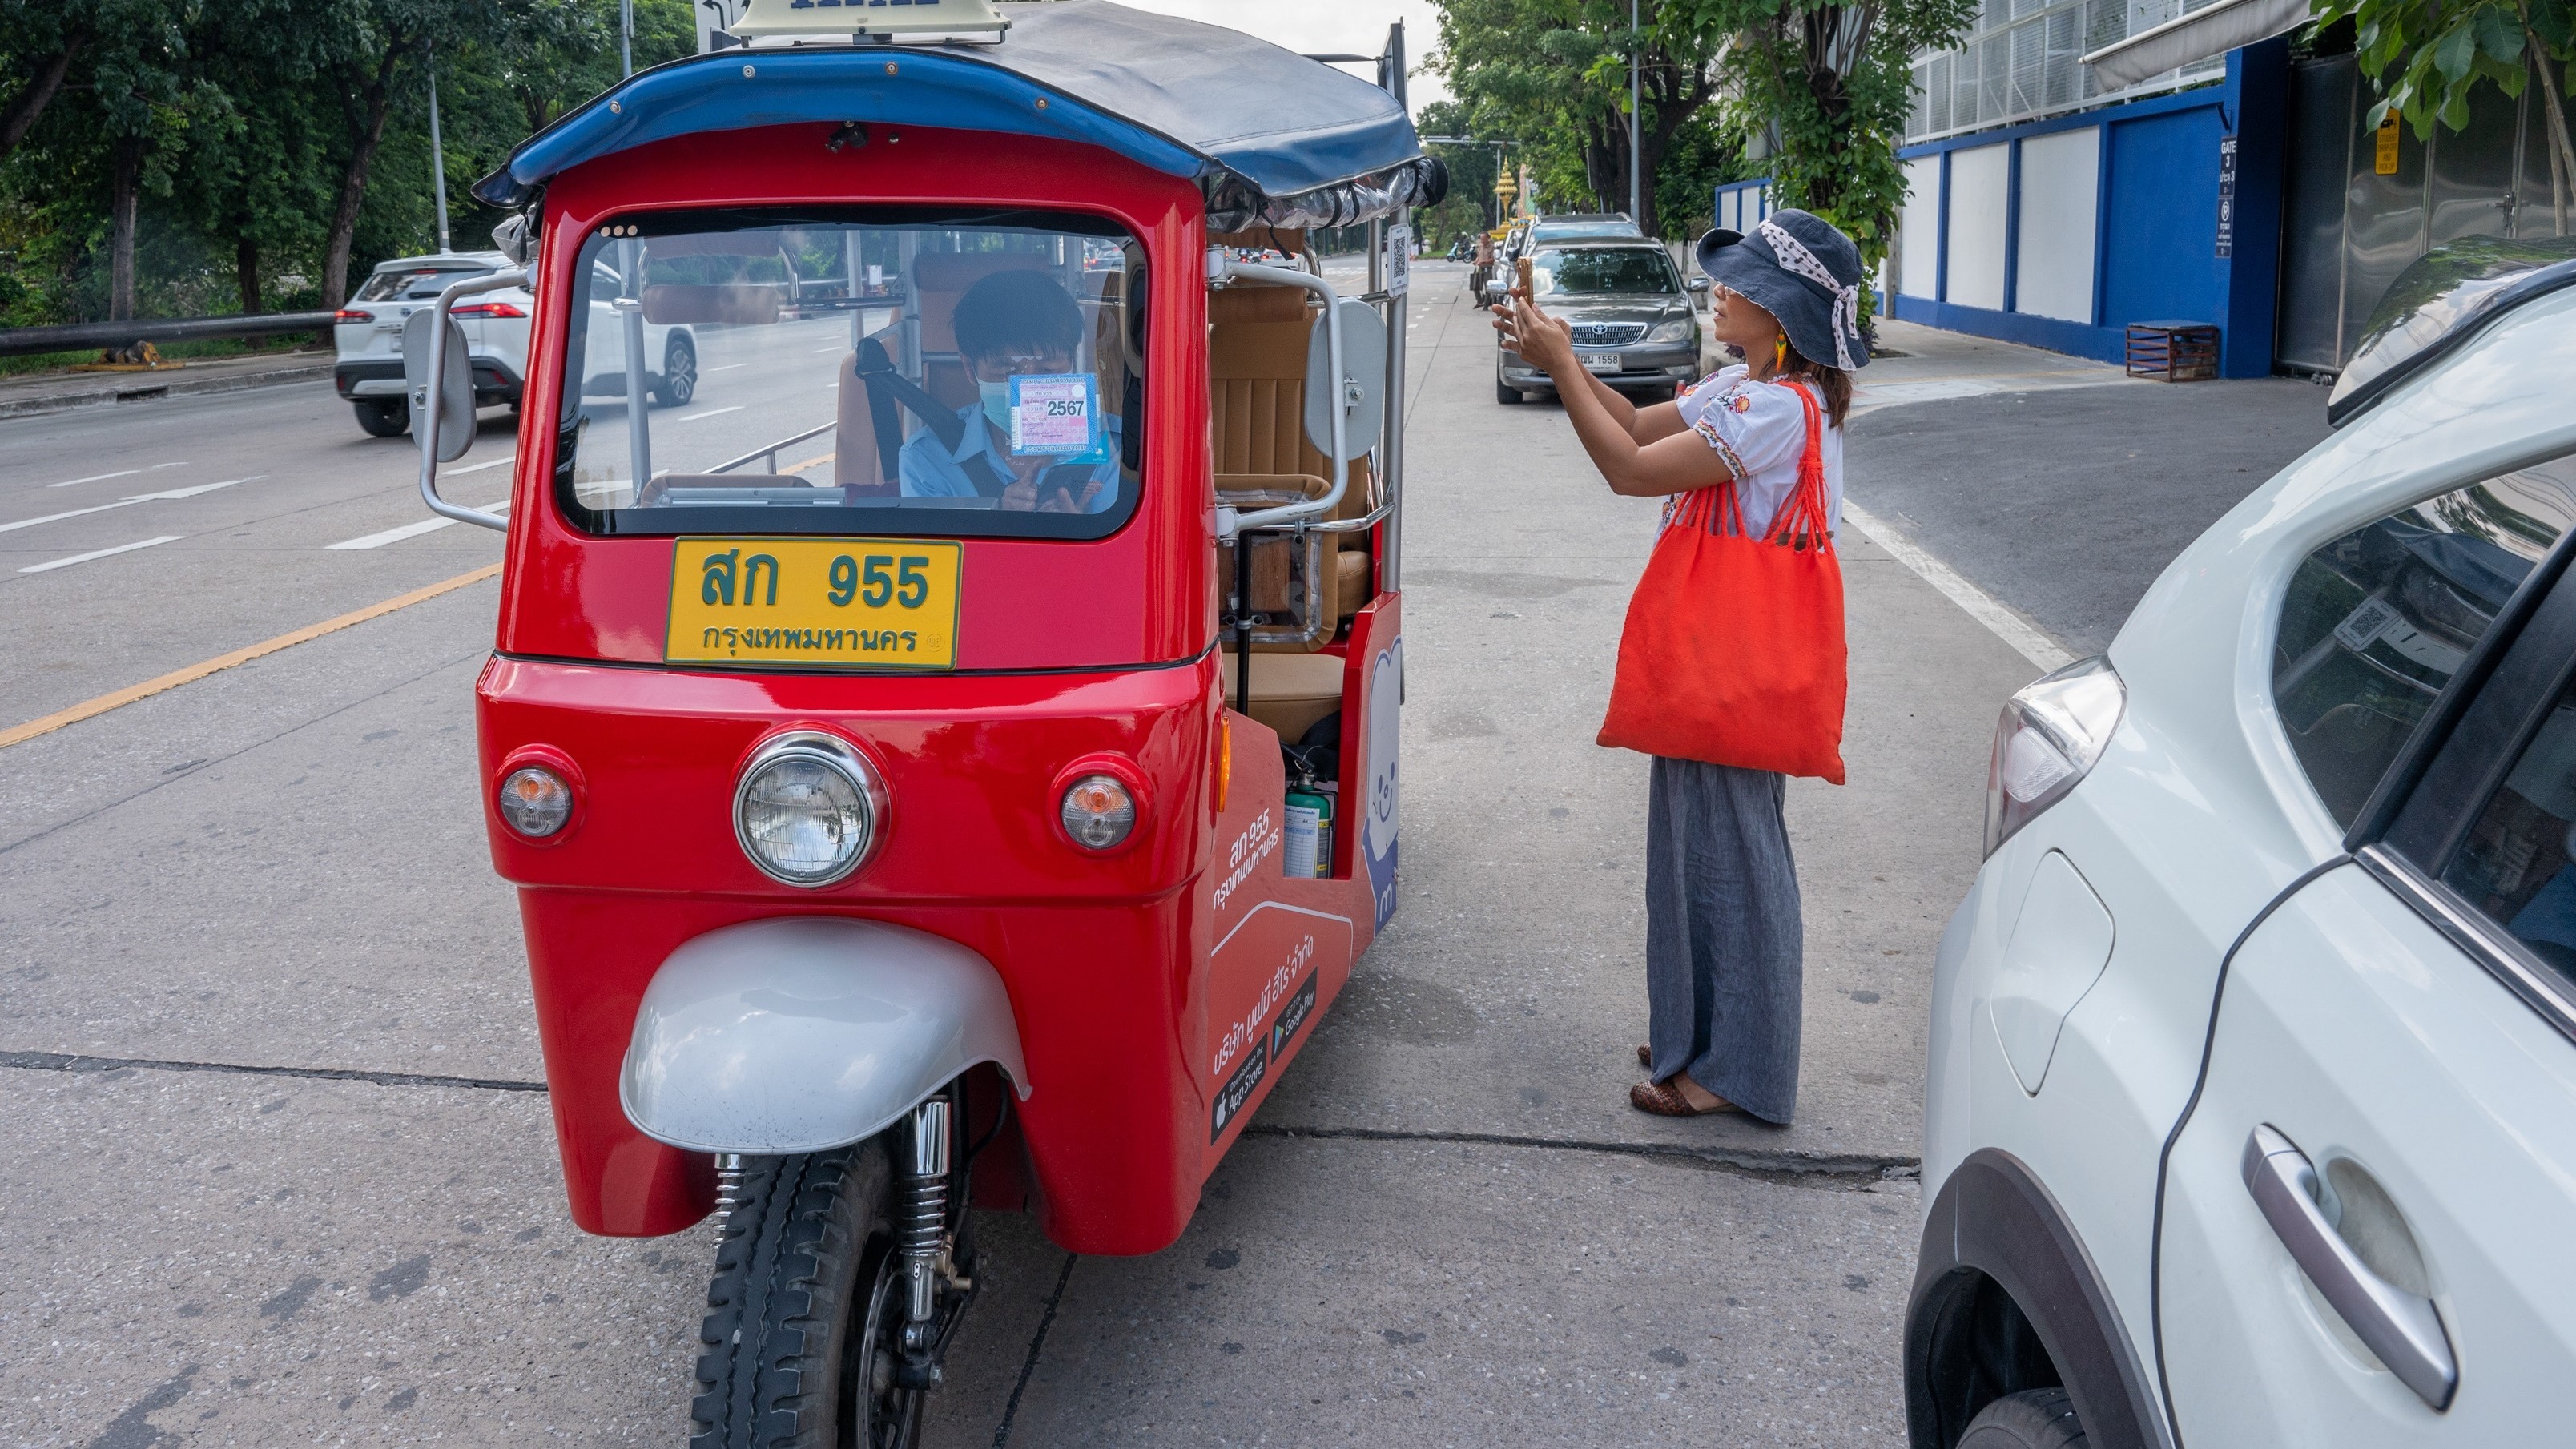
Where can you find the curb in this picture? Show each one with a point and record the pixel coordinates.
(139, 390)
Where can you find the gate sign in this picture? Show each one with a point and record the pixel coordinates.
(2226, 195)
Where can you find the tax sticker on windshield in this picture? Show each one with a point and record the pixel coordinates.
(1055, 414)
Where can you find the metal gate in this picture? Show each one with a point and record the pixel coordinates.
(2355, 215)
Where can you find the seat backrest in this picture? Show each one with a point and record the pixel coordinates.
(1257, 389)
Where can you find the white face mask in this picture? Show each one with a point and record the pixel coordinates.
(997, 405)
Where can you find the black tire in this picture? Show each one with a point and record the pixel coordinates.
(383, 417)
(798, 1348)
(679, 380)
(1504, 392)
(2031, 1419)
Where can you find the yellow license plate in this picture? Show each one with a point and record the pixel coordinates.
(834, 603)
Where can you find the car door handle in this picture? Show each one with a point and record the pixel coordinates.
(2405, 1331)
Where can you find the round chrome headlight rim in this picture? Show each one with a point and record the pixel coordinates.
(842, 758)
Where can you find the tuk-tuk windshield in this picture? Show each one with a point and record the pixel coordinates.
(857, 372)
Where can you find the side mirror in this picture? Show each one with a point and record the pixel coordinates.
(1697, 284)
(1361, 392)
(451, 427)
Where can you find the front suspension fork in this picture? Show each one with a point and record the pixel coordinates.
(925, 1246)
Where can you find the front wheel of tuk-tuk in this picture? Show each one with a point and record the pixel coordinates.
(803, 1332)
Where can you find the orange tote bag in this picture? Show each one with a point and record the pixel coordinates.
(1733, 651)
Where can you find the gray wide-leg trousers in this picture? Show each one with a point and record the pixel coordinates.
(1724, 943)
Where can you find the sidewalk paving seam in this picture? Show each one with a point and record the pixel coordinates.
(68, 1062)
(1858, 1170)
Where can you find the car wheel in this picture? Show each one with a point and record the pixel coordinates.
(679, 380)
(2031, 1419)
(383, 417)
(1504, 392)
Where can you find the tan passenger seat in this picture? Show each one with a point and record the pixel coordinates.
(1290, 692)
(1257, 409)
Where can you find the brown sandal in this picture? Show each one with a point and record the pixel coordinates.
(1665, 1100)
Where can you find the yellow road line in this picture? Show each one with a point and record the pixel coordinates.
(92, 708)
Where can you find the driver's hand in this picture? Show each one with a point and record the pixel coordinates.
(1021, 496)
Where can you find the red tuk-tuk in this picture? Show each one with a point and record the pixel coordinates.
(911, 800)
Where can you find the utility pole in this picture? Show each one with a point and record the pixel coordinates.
(1636, 191)
(437, 153)
(626, 36)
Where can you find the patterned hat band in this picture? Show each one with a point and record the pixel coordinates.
(1797, 260)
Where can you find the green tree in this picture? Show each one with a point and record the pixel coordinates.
(2439, 50)
(1554, 75)
(1830, 85)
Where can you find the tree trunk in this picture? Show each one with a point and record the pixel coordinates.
(122, 204)
(2562, 157)
(375, 100)
(246, 271)
(31, 102)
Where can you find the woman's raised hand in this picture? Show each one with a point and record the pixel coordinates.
(1542, 341)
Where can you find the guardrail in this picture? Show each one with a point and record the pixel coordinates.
(78, 336)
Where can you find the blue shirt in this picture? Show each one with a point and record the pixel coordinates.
(929, 470)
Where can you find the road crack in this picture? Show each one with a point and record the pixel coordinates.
(68, 1062)
(1807, 1169)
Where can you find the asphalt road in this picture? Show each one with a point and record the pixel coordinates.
(2067, 503)
(269, 1084)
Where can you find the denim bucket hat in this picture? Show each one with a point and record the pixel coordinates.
(1798, 267)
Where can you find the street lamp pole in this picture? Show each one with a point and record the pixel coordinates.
(437, 153)
(1636, 194)
(626, 36)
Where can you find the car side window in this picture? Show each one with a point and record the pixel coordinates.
(2376, 622)
(2518, 864)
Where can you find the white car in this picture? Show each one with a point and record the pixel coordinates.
(369, 372)
(2251, 1113)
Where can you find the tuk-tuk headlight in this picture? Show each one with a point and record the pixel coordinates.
(809, 808)
(534, 801)
(1098, 812)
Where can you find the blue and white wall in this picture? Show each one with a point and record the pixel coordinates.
(2060, 231)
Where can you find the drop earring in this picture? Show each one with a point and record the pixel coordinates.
(1780, 353)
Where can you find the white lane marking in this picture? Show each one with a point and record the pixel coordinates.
(1983, 607)
(728, 367)
(835, 347)
(711, 412)
(479, 467)
(410, 530)
(125, 502)
(96, 478)
(64, 563)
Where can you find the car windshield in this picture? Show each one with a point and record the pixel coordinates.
(410, 282)
(1593, 271)
(854, 373)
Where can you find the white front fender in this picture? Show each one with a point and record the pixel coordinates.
(802, 1033)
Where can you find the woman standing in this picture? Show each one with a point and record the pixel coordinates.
(1724, 941)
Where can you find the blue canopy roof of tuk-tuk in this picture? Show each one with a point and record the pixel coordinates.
(1271, 136)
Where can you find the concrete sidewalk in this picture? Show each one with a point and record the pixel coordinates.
(30, 394)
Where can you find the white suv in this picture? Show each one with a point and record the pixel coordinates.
(369, 372)
(2251, 1116)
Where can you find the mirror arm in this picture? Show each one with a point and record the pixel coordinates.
(1219, 270)
(425, 412)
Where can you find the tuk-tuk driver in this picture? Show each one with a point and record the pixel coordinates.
(1012, 324)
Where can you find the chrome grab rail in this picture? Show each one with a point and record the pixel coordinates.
(425, 413)
(771, 452)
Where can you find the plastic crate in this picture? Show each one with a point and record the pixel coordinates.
(2173, 351)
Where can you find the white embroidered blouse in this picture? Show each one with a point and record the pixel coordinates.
(1760, 429)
